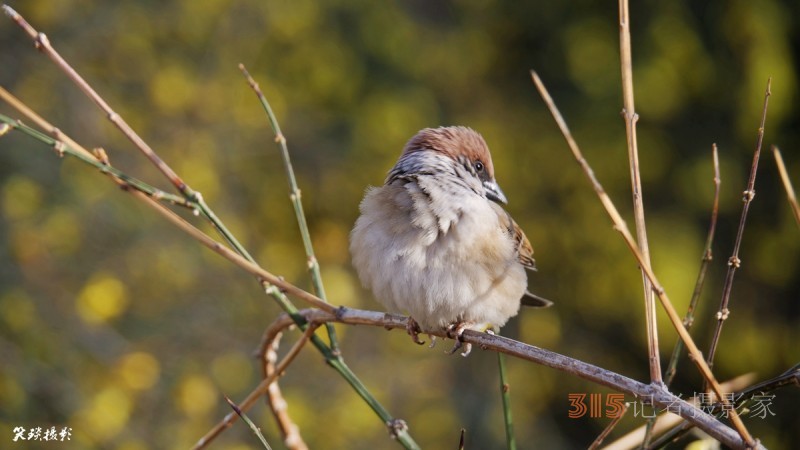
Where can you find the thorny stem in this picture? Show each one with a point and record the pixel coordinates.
(622, 228)
(734, 262)
(511, 443)
(787, 183)
(295, 197)
(630, 117)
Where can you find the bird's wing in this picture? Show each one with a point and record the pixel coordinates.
(523, 245)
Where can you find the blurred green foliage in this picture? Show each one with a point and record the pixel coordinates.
(117, 325)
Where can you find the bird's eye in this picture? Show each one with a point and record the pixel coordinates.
(478, 166)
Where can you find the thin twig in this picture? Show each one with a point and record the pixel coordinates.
(599, 440)
(249, 423)
(262, 387)
(787, 183)
(619, 225)
(666, 421)
(630, 117)
(688, 319)
(43, 45)
(268, 354)
(295, 197)
(790, 377)
(734, 262)
(505, 387)
(102, 164)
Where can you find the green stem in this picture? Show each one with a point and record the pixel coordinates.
(63, 148)
(296, 198)
(511, 443)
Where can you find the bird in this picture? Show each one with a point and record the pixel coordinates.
(434, 241)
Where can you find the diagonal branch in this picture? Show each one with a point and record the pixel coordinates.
(787, 183)
(646, 393)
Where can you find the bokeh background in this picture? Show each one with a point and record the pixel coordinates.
(114, 323)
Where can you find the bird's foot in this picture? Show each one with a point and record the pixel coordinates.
(433, 341)
(413, 329)
(456, 331)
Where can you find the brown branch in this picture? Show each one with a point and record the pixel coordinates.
(42, 44)
(262, 387)
(734, 262)
(630, 117)
(648, 393)
(619, 225)
(688, 319)
(268, 354)
(600, 438)
(787, 183)
(235, 258)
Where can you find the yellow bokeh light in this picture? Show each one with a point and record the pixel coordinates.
(233, 371)
(139, 370)
(104, 297)
(21, 197)
(17, 310)
(197, 396)
(106, 415)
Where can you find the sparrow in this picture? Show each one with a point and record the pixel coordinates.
(434, 242)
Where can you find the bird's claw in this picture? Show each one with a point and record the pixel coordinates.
(413, 329)
(456, 331)
(459, 343)
(433, 341)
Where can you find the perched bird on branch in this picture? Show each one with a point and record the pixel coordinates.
(435, 243)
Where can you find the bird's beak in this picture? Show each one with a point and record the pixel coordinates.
(493, 192)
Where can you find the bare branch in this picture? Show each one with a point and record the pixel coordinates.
(787, 183)
(688, 319)
(734, 262)
(620, 226)
(630, 117)
(600, 438)
(648, 393)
